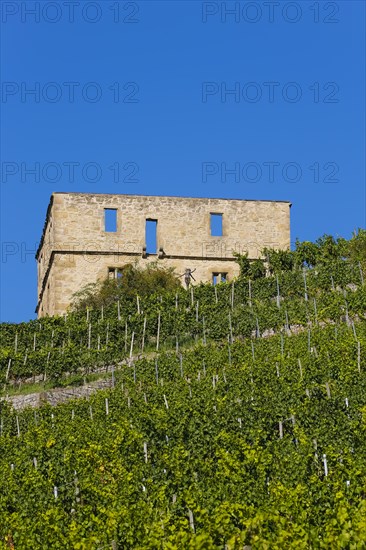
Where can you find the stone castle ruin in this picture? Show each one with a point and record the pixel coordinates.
(91, 236)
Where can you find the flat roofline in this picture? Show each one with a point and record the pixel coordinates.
(165, 196)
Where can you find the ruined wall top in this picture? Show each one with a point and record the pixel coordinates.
(183, 223)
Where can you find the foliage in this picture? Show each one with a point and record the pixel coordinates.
(246, 426)
(133, 281)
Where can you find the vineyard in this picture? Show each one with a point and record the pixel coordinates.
(237, 419)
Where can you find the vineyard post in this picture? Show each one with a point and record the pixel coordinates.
(143, 336)
(138, 304)
(258, 334)
(98, 345)
(158, 334)
(181, 364)
(48, 360)
(328, 389)
(166, 401)
(106, 406)
(216, 299)
(176, 301)
(118, 311)
(278, 370)
(16, 343)
(102, 313)
(230, 329)
(87, 314)
(34, 342)
(131, 347)
(55, 492)
(300, 366)
(107, 335)
(305, 286)
(145, 451)
(18, 428)
(325, 465)
(347, 315)
(359, 356)
(89, 335)
(8, 370)
(287, 322)
(204, 331)
(280, 427)
(250, 293)
(126, 329)
(91, 412)
(191, 520)
(278, 293)
(232, 294)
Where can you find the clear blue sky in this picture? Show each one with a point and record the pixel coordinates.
(144, 88)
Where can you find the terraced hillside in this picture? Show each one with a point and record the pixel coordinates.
(243, 423)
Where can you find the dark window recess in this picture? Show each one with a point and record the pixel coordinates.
(216, 225)
(110, 220)
(219, 278)
(115, 272)
(151, 236)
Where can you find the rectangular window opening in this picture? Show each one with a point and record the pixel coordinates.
(151, 236)
(115, 272)
(216, 225)
(110, 220)
(219, 278)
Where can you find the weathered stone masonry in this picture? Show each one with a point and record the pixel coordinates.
(76, 249)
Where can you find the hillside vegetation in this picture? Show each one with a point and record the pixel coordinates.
(242, 422)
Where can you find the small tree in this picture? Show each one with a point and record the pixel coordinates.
(134, 281)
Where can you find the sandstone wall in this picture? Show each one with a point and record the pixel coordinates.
(78, 250)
